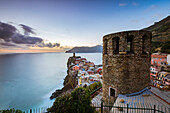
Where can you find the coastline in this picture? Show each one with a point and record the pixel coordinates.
(70, 81)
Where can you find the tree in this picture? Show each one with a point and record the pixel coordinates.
(77, 102)
(10, 111)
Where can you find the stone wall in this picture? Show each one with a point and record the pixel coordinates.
(126, 63)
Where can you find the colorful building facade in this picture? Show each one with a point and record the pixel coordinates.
(159, 59)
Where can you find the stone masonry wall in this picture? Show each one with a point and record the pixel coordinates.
(126, 72)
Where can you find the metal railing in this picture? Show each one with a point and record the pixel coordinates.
(129, 109)
(37, 110)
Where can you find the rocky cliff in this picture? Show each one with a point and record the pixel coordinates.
(70, 81)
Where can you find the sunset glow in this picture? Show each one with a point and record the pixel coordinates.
(69, 23)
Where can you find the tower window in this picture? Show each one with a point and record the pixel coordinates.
(106, 62)
(105, 47)
(112, 92)
(144, 38)
(130, 45)
(115, 45)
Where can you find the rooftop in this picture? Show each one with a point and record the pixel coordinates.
(146, 99)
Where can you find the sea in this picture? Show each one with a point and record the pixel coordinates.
(27, 80)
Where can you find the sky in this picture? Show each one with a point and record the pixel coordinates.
(72, 23)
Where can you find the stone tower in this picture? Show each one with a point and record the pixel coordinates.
(126, 63)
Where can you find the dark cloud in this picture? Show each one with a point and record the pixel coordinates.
(7, 31)
(11, 38)
(50, 45)
(27, 30)
(7, 44)
(22, 39)
(57, 44)
(4, 44)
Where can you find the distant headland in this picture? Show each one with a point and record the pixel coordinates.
(86, 49)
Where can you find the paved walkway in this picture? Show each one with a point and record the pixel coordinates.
(165, 95)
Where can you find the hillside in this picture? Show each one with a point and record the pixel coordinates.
(160, 39)
(160, 35)
(160, 30)
(94, 49)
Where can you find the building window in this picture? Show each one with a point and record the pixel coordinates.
(112, 92)
(115, 45)
(130, 45)
(105, 47)
(144, 39)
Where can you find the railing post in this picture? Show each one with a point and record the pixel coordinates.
(154, 108)
(30, 110)
(102, 107)
(127, 108)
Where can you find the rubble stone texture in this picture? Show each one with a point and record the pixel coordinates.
(126, 63)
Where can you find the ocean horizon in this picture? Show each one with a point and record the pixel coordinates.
(27, 80)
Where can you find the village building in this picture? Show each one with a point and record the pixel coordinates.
(159, 59)
(85, 71)
(83, 59)
(99, 70)
(161, 75)
(76, 67)
(166, 80)
(154, 70)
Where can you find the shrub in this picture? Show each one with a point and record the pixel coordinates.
(94, 86)
(77, 102)
(10, 111)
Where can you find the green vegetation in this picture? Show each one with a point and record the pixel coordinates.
(94, 86)
(11, 111)
(77, 102)
(165, 47)
(160, 35)
(161, 47)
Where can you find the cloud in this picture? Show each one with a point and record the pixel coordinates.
(4, 44)
(27, 30)
(153, 6)
(135, 4)
(50, 45)
(22, 39)
(7, 31)
(8, 44)
(150, 8)
(10, 37)
(122, 4)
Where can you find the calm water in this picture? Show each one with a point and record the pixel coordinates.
(27, 80)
